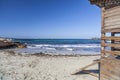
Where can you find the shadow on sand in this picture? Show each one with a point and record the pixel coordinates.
(86, 72)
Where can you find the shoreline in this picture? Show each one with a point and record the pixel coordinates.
(46, 54)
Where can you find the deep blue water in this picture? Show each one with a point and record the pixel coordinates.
(62, 46)
(59, 41)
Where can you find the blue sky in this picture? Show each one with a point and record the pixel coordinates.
(49, 19)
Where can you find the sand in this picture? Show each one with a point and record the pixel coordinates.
(30, 67)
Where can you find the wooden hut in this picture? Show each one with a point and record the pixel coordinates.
(110, 39)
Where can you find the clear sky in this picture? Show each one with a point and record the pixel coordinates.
(49, 19)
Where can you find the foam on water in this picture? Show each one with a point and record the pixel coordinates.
(66, 49)
(62, 46)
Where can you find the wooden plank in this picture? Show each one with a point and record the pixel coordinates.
(113, 8)
(102, 28)
(111, 30)
(109, 69)
(117, 23)
(112, 12)
(112, 26)
(116, 16)
(111, 20)
(111, 52)
(110, 38)
(111, 45)
(112, 41)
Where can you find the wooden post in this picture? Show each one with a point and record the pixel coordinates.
(102, 32)
(112, 41)
(102, 35)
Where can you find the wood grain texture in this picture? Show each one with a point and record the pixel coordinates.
(117, 30)
(111, 45)
(111, 38)
(112, 18)
(112, 11)
(105, 3)
(110, 69)
(102, 27)
(116, 53)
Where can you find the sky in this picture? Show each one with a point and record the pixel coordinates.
(49, 19)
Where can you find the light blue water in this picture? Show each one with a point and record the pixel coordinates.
(61, 46)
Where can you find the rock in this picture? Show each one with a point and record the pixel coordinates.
(20, 45)
(7, 44)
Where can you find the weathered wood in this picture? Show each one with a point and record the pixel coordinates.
(111, 45)
(105, 3)
(111, 20)
(111, 30)
(111, 38)
(110, 69)
(117, 53)
(113, 8)
(111, 12)
(112, 26)
(112, 23)
(110, 17)
(113, 42)
(102, 33)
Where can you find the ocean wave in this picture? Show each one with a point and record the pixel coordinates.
(64, 46)
(50, 48)
(69, 49)
(64, 49)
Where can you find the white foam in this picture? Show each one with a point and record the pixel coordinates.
(66, 46)
(50, 48)
(69, 49)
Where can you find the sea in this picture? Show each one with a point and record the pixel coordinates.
(61, 46)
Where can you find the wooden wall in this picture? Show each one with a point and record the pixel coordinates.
(110, 44)
(110, 69)
(111, 31)
(112, 18)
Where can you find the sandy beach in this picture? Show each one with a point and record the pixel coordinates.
(32, 67)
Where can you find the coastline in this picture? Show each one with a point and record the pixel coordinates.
(16, 52)
(60, 46)
(44, 67)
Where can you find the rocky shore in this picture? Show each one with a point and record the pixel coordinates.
(5, 43)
